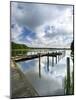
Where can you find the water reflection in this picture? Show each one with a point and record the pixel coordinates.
(52, 81)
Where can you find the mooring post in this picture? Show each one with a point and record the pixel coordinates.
(73, 81)
(60, 57)
(52, 61)
(39, 66)
(64, 52)
(48, 62)
(56, 59)
(68, 76)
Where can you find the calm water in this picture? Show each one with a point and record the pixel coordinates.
(52, 81)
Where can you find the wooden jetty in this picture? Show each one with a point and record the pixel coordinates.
(30, 57)
(56, 55)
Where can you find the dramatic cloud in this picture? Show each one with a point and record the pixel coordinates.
(41, 25)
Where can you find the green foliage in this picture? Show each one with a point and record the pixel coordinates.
(18, 46)
(18, 49)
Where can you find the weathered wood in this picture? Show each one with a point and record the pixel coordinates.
(48, 62)
(52, 61)
(30, 57)
(60, 57)
(39, 66)
(56, 59)
(63, 53)
(68, 76)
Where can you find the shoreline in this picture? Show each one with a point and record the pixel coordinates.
(20, 86)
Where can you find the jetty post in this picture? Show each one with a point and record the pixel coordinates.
(39, 66)
(68, 76)
(48, 61)
(56, 59)
(52, 61)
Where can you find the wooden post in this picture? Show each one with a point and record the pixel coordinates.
(73, 81)
(60, 57)
(64, 52)
(39, 66)
(68, 76)
(48, 62)
(52, 61)
(56, 59)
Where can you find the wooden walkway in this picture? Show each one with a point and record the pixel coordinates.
(30, 57)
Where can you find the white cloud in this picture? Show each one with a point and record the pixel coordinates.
(37, 17)
(15, 32)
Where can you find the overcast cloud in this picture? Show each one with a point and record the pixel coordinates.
(41, 25)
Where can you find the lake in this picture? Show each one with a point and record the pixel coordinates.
(51, 82)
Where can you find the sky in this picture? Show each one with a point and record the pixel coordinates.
(41, 25)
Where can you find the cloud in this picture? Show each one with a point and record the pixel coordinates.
(41, 25)
(34, 15)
